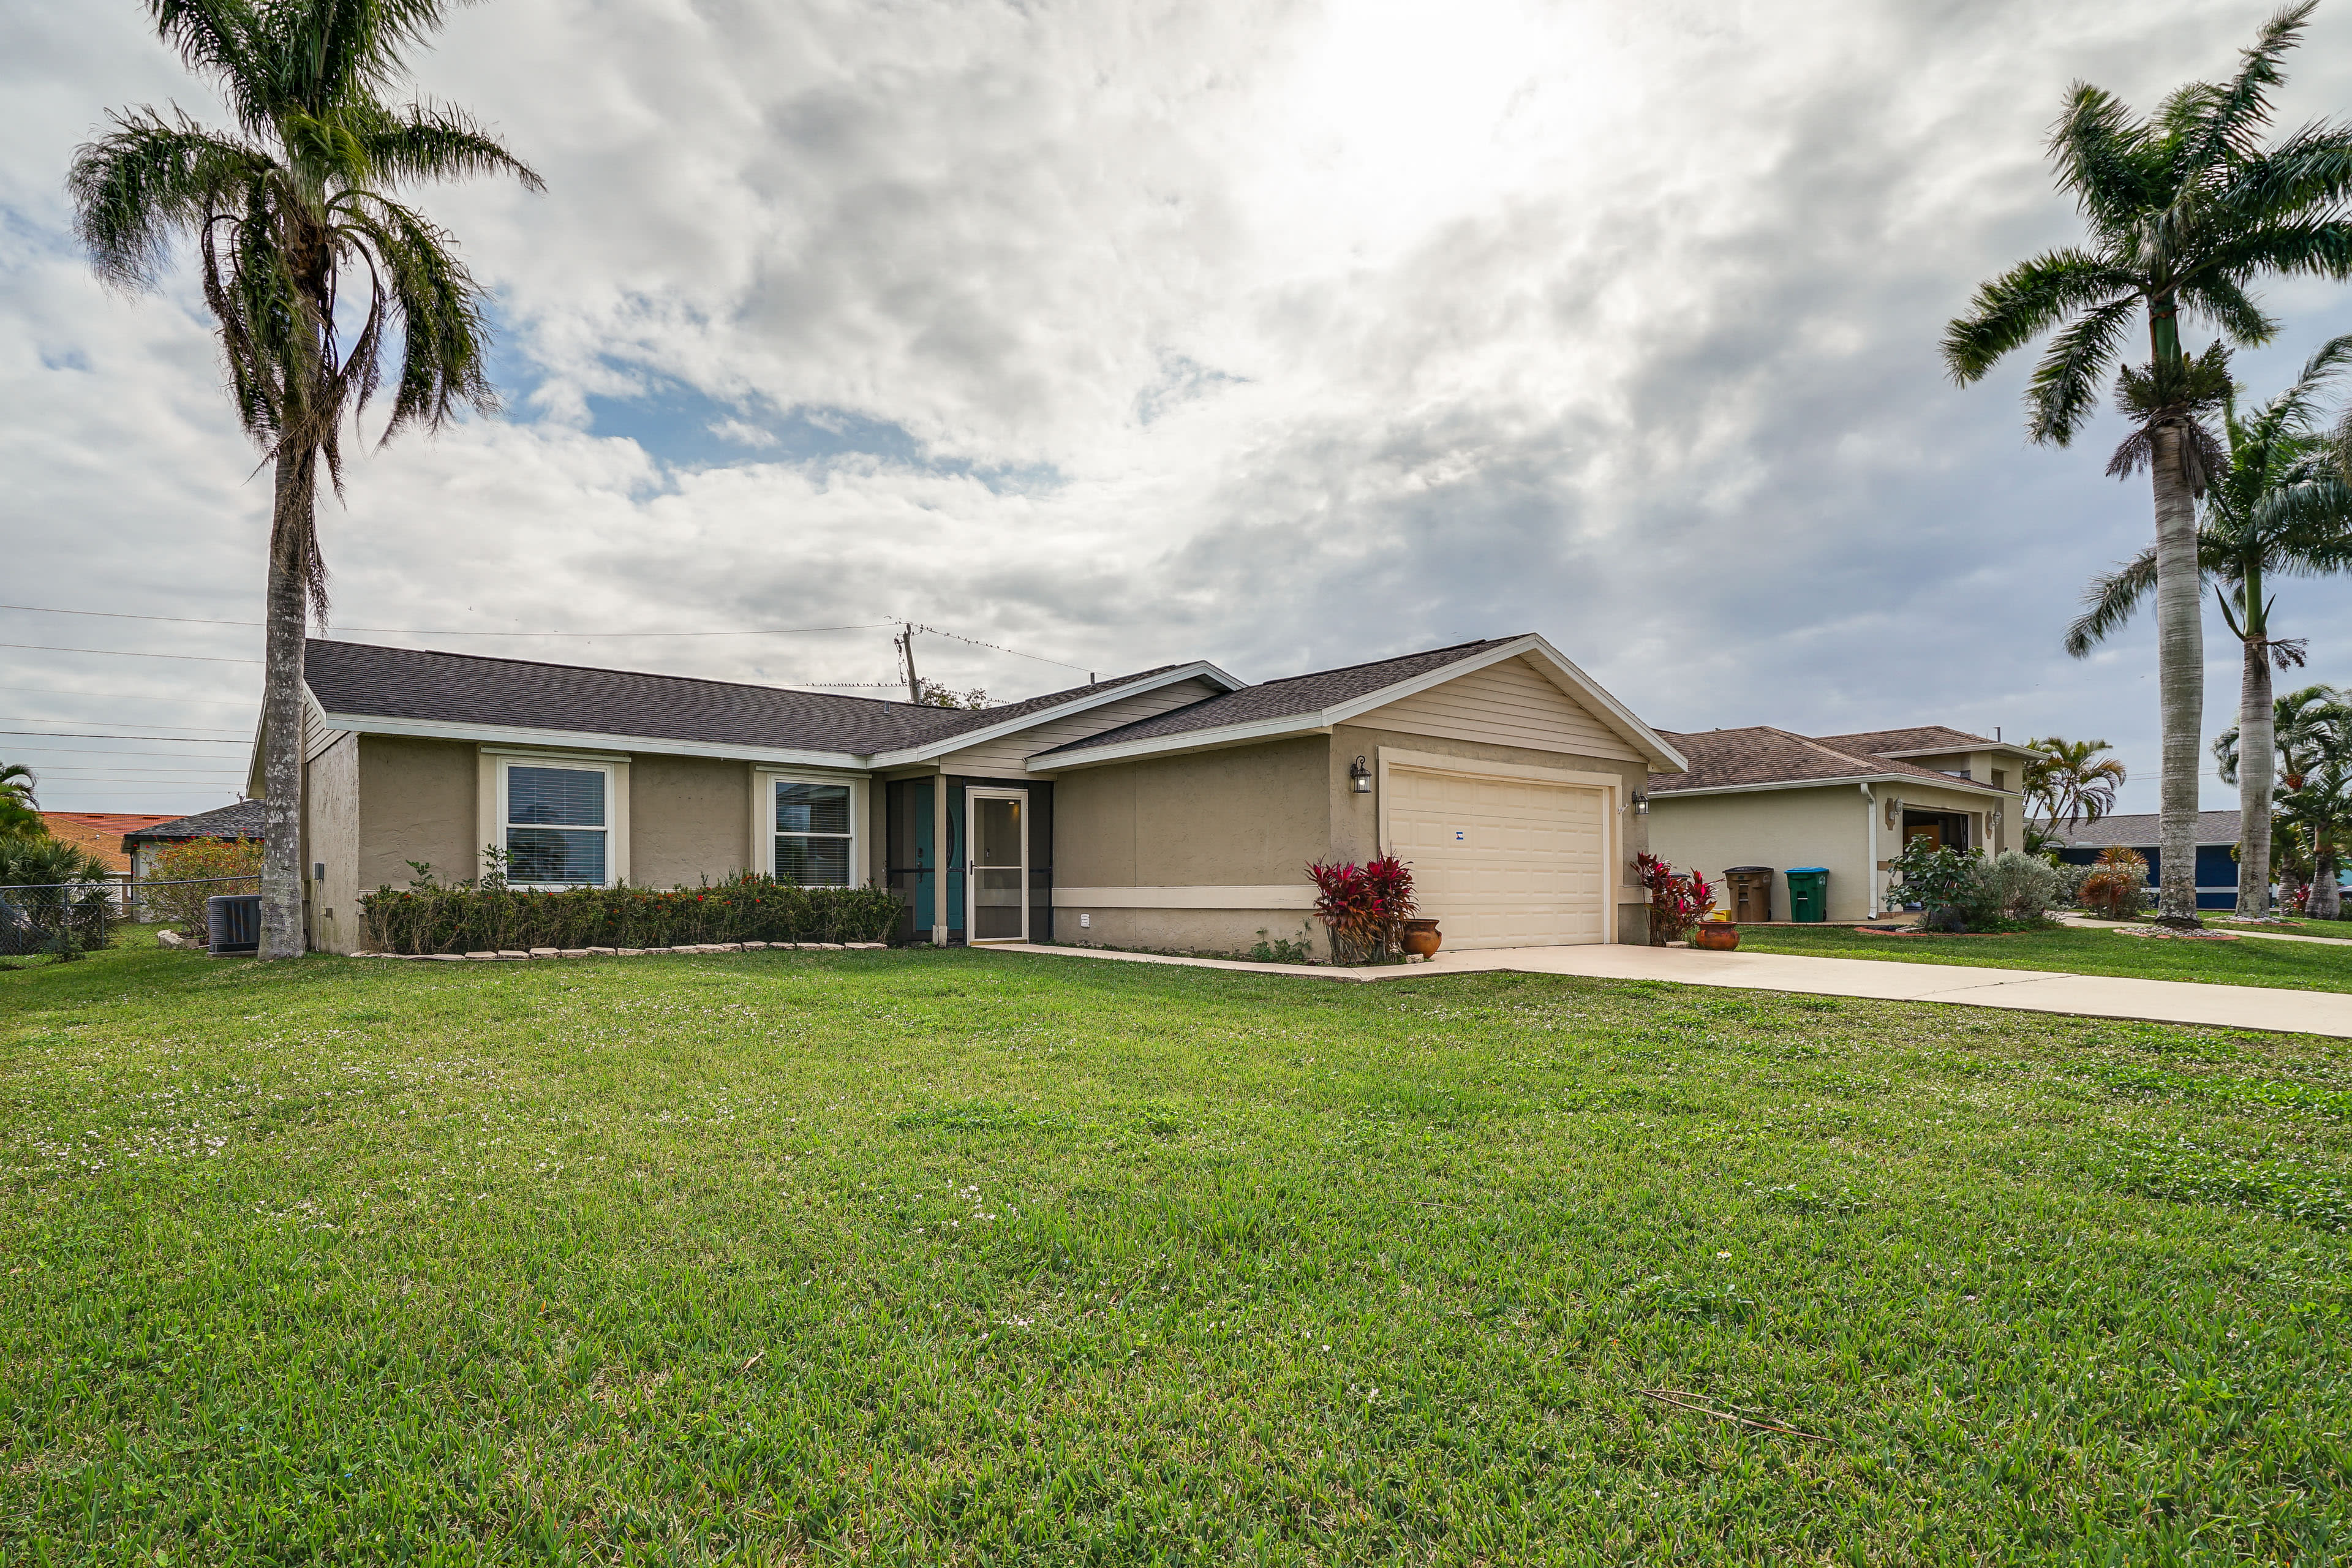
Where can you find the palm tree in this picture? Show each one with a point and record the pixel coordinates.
(2185, 210)
(293, 219)
(2279, 506)
(2069, 781)
(20, 813)
(2319, 813)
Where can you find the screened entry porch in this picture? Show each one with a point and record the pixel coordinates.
(995, 881)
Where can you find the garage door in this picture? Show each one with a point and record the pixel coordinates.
(1501, 862)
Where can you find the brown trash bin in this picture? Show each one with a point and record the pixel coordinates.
(1751, 894)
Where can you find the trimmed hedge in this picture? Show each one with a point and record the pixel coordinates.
(748, 908)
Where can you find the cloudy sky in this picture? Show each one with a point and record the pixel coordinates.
(1282, 334)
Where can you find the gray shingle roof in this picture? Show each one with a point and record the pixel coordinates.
(453, 688)
(2137, 830)
(242, 820)
(1760, 754)
(1293, 697)
(1918, 738)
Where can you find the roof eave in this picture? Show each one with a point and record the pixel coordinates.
(520, 735)
(1971, 784)
(1288, 726)
(1565, 673)
(1199, 669)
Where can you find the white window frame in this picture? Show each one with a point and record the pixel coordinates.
(617, 806)
(764, 781)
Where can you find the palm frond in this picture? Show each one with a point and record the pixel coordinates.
(435, 142)
(214, 39)
(2308, 172)
(2109, 602)
(2221, 301)
(443, 339)
(2313, 248)
(2025, 301)
(2223, 125)
(147, 181)
(2102, 158)
(2064, 391)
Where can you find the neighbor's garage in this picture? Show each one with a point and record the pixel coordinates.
(1501, 862)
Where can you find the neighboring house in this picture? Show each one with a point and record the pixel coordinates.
(1761, 796)
(237, 822)
(100, 833)
(2217, 849)
(1175, 807)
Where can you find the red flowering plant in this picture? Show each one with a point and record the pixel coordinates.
(1363, 907)
(1678, 900)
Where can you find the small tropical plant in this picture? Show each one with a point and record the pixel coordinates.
(1363, 908)
(1931, 877)
(1678, 900)
(54, 897)
(2118, 885)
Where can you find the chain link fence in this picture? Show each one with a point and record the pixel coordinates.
(67, 918)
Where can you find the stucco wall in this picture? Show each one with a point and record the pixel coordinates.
(1187, 931)
(1244, 817)
(1828, 826)
(689, 819)
(416, 803)
(330, 837)
(1355, 818)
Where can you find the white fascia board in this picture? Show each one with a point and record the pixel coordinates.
(581, 740)
(1282, 728)
(1197, 669)
(1564, 674)
(1666, 794)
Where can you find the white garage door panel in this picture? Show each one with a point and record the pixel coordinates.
(1501, 862)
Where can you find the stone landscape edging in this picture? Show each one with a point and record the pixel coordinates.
(516, 955)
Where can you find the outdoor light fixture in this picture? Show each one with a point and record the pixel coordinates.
(1360, 777)
(1895, 811)
(1640, 804)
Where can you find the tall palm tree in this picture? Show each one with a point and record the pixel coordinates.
(2070, 781)
(294, 221)
(2279, 506)
(2185, 210)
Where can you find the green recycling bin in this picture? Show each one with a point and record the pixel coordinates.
(1809, 893)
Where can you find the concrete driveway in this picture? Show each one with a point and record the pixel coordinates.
(2025, 990)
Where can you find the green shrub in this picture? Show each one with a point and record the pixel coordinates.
(195, 870)
(54, 897)
(491, 917)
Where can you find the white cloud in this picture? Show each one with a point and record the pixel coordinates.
(1276, 333)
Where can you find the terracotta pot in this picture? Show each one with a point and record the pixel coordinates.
(1716, 936)
(1422, 938)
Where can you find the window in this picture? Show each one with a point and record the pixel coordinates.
(813, 834)
(558, 827)
(2001, 779)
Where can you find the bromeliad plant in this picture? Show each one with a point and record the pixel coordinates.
(1678, 900)
(1364, 907)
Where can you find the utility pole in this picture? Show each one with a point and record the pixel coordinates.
(906, 640)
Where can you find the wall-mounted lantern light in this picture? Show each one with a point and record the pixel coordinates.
(1360, 777)
(1895, 811)
(1640, 804)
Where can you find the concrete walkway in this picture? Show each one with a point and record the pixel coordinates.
(2025, 990)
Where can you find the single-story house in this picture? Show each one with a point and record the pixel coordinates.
(238, 822)
(1762, 796)
(99, 834)
(1176, 808)
(2217, 849)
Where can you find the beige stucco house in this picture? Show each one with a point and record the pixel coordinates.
(1175, 807)
(1761, 796)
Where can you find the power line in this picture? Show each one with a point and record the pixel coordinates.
(439, 632)
(81, 735)
(104, 752)
(134, 696)
(120, 652)
(1000, 648)
(195, 730)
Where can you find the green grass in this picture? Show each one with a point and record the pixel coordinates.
(2079, 950)
(969, 1257)
(2334, 930)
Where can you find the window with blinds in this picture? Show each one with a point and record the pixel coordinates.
(557, 833)
(813, 834)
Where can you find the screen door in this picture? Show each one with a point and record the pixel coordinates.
(999, 883)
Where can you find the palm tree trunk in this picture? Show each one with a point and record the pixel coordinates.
(2180, 678)
(2257, 763)
(2325, 902)
(282, 706)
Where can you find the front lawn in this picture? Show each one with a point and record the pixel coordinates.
(2081, 950)
(971, 1258)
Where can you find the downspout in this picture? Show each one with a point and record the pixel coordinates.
(1870, 822)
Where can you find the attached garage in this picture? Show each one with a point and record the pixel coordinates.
(1507, 858)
